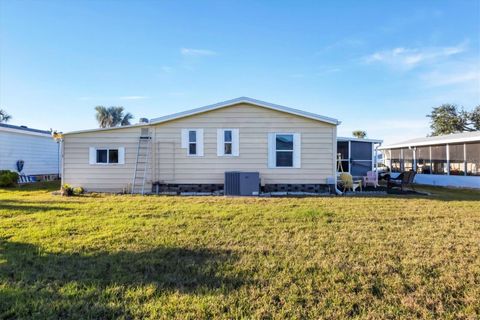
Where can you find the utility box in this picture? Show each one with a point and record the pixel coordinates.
(242, 183)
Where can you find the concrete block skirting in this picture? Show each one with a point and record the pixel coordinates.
(310, 188)
(182, 188)
(215, 188)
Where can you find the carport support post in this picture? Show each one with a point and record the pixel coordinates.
(448, 159)
(414, 164)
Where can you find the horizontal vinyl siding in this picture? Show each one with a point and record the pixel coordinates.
(172, 165)
(40, 153)
(97, 177)
(254, 124)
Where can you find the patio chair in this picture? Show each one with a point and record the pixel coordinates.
(371, 178)
(404, 179)
(347, 182)
(26, 179)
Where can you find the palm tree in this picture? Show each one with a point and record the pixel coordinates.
(359, 134)
(112, 117)
(103, 117)
(118, 118)
(4, 116)
(126, 119)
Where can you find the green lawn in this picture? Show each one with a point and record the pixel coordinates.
(111, 256)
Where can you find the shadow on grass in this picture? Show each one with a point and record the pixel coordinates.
(32, 280)
(29, 207)
(425, 192)
(48, 186)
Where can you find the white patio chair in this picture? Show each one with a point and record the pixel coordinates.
(371, 178)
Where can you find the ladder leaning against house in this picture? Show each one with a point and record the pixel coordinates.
(141, 163)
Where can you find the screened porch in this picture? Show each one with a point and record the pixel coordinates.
(456, 159)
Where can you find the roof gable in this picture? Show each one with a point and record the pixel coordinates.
(220, 105)
(246, 100)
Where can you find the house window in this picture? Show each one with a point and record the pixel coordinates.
(284, 150)
(227, 142)
(102, 156)
(192, 142)
(106, 156)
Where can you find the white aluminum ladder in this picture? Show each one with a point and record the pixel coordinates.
(141, 164)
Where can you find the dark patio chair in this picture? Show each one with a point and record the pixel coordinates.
(404, 179)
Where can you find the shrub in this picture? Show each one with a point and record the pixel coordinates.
(66, 190)
(78, 191)
(8, 178)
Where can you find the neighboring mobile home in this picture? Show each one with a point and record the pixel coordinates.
(37, 150)
(291, 149)
(448, 160)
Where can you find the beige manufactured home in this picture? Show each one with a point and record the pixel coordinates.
(192, 150)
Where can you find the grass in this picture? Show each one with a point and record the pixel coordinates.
(110, 256)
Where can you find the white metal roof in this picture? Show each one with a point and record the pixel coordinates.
(24, 130)
(449, 138)
(219, 105)
(255, 102)
(106, 129)
(359, 139)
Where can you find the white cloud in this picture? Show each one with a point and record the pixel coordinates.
(196, 52)
(443, 79)
(456, 81)
(408, 58)
(133, 97)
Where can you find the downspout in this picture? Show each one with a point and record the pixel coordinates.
(62, 166)
(337, 191)
(378, 145)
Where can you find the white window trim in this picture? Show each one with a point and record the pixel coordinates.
(185, 141)
(190, 143)
(221, 142)
(93, 156)
(272, 150)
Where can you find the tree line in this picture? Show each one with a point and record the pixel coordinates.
(450, 118)
(446, 119)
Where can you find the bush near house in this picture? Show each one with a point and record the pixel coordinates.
(8, 178)
(122, 256)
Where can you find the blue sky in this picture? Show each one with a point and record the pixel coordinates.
(379, 66)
